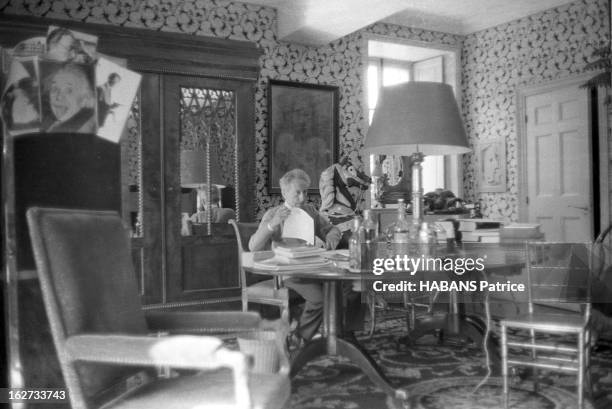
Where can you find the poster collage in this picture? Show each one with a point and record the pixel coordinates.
(59, 83)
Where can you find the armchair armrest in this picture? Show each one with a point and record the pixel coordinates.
(181, 352)
(220, 322)
(196, 352)
(202, 322)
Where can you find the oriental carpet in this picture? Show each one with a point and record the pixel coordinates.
(438, 376)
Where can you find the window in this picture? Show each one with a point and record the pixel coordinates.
(384, 72)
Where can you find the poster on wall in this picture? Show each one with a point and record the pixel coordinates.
(116, 88)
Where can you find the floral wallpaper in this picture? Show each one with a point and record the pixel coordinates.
(548, 45)
(338, 64)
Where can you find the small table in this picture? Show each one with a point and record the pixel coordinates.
(334, 342)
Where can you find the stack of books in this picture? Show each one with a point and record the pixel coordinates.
(294, 258)
(480, 230)
(520, 232)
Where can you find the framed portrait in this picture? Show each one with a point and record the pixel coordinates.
(491, 166)
(303, 130)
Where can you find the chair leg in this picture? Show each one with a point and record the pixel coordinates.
(372, 305)
(504, 356)
(534, 356)
(581, 369)
(587, 363)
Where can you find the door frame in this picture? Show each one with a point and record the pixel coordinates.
(525, 91)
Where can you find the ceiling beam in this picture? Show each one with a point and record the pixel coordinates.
(316, 22)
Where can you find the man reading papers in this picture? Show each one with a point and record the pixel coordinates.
(294, 185)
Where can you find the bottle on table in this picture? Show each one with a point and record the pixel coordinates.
(427, 241)
(355, 242)
(399, 231)
(370, 239)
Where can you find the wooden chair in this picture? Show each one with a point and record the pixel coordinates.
(269, 292)
(559, 281)
(110, 352)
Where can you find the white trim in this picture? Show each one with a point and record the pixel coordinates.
(522, 93)
(604, 158)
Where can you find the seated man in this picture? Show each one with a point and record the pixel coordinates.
(294, 185)
(218, 214)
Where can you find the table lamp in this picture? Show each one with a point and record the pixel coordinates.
(416, 119)
(198, 171)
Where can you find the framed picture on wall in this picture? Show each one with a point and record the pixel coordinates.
(491, 156)
(302, 130)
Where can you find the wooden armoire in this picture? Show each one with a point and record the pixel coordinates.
(140, 178)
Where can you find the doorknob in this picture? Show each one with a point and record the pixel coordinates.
(586, 209)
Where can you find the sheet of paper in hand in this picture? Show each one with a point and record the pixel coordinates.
(299, 225)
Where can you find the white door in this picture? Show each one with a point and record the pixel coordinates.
(559, 164)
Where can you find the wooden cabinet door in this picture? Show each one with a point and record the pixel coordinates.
(147, 246)
(203, 114)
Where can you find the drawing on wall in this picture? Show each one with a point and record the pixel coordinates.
(492, 166)
(303, 130)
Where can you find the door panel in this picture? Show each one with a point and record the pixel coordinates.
(203, 116)
(559, 164)
(147, 250)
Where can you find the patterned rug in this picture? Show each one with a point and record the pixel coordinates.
(437, 377)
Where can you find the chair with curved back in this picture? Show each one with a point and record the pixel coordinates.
(269, 292)
(110, 351)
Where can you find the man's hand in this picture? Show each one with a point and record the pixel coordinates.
(280, 216)
(332, 239)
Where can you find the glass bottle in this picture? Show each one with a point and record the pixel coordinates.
(370, 226)
(355, 242)
(427, 241)
(370, 239)
(400, 231)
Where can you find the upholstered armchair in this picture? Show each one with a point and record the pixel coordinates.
(111, 352)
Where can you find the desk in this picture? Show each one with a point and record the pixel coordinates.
(334, 341)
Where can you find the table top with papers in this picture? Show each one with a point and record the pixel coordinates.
(333, 264)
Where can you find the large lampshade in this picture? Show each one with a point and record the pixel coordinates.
(417, 117)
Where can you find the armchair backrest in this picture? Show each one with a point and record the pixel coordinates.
(88, 285)
(244, 231)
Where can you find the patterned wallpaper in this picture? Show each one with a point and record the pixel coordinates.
(548, 45)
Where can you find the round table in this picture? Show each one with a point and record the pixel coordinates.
(498, 259)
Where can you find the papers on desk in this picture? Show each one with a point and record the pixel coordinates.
(281, 263)
(298, 252)
(299, 225)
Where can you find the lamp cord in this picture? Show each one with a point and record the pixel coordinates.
(485, 340)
